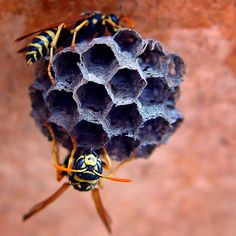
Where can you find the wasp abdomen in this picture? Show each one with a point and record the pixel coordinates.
(40, 46)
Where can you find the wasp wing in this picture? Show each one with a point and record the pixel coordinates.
(69, 23)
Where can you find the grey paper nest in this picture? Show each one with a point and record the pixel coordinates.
(119, 92)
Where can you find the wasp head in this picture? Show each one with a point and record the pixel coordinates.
(89, 166)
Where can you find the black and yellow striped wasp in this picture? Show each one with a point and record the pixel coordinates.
(68, 33)
(84, 174)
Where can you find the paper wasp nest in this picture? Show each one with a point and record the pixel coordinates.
(115, 91)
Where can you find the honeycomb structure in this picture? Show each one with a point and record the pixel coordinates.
(115, 91)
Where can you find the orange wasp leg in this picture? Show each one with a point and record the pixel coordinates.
(75, 31)
(40, 206)
(53, 45)
(100, 209)
(71, 158)
(112, 23)
(55, 151)
(107, 164)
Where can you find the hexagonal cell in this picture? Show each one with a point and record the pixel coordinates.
(155, 92)
(144, 151)
(99, 59)
(61, 135)
(120, 147)
(63, 108)
(93, 97)
(125, 118)
(127, 84)
(67, 69)
(153, 60)
(90, 135)
(176, 70)
(128, 40)
(174, 96)
(40, 111)
(153, 130)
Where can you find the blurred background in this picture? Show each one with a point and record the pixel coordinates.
(186, 187)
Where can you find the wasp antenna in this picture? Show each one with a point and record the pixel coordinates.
(58, 167)
(113, 178)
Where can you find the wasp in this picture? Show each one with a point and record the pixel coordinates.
(68, 33)
(84, 173)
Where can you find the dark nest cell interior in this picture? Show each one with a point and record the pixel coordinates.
(129, 41)
(93, 97)
(90, 135)
(127, 83)
(153, 130)
(125, 118)
(125, 146)
(67, 69)
(99, 59)
(156, 91)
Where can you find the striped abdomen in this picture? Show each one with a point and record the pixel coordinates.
(40, 46)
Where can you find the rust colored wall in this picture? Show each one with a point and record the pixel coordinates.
(185, 187)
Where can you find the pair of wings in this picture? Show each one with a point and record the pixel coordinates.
(69, 24)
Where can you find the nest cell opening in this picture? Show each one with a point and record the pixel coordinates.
(67, 69)
(153, 59)
(90, 135)
(99, 59)
(62, 102)
(127, 84)
(93, 97)
(174, 96)
(40, 110)
(121, 147)
(144, 150)
(125, 118)
(61, 135)
(176, 67)
(128, 41)
(153, 130)
(155, 92)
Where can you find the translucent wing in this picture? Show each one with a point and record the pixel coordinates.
(69, 23)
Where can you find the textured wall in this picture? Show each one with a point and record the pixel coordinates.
(185, 187)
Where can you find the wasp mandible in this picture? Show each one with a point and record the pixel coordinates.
(84, 174)
(68, 33)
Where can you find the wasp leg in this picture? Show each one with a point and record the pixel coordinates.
(55, 151)
(101, 210)
(112, 23)
(107, 163)
(71, 158)
(52, 46)
(75, 31)
(122, 163)
(40, 206)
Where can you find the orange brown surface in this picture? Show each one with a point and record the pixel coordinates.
(186, 187)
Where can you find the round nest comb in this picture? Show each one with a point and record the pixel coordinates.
(119, 92)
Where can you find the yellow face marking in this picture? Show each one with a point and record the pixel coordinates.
(83, 166)
(84, 180)
(95, 21)
(90, 160)
(96, 168)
